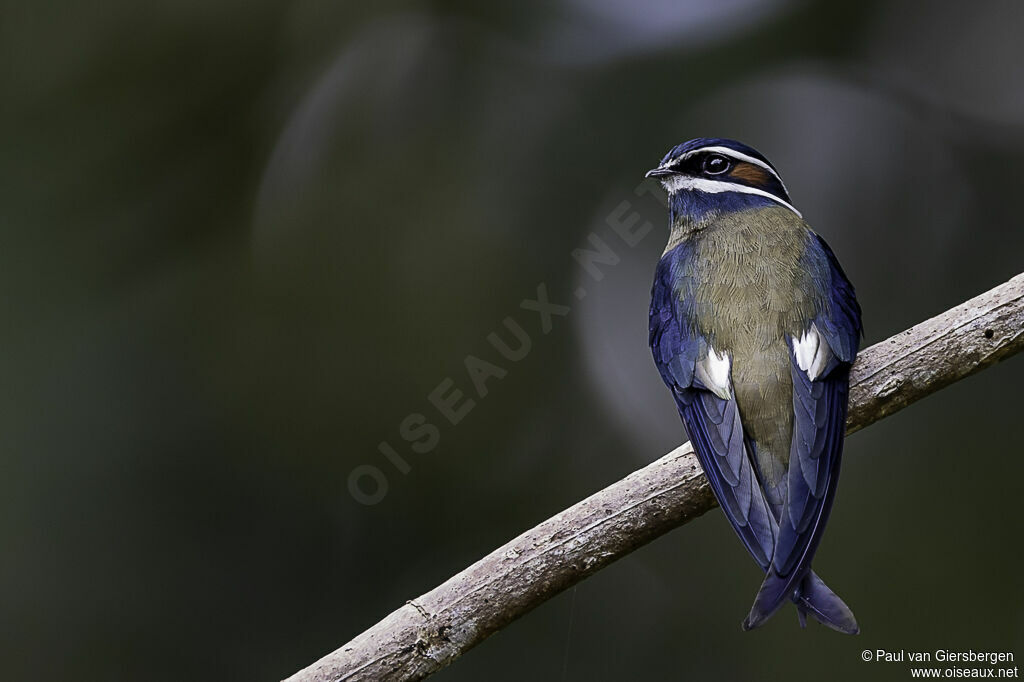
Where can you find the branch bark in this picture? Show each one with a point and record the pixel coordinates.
(431, 631)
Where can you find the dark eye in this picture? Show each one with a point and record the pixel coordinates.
(716, 164)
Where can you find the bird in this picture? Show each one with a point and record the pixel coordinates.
(754, 326)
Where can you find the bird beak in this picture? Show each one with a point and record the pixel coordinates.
(658, 173)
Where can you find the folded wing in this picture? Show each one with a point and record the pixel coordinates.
(699, 379)
(820, 364)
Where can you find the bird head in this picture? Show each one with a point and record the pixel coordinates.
(714, 175)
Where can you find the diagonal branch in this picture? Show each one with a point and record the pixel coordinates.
(431, 631)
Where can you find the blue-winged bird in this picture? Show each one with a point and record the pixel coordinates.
(754, 326)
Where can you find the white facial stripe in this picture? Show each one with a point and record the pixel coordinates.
(739, 156)
(674, 183)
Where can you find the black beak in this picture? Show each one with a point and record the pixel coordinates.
(658, 173)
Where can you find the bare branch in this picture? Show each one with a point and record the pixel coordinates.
(433, 630)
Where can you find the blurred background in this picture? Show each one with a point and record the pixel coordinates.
(244, 241)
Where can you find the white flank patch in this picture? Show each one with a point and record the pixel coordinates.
(713, 372)
(812, 352)
(675, 183)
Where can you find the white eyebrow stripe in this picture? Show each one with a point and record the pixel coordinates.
(674, 183)
(740, 156)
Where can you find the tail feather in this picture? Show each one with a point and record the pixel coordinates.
(815, 598)
(774, 592)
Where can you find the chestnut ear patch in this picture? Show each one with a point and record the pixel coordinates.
(751, 174)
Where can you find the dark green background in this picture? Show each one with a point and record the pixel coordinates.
(244, 240)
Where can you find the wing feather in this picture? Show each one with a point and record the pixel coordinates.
(820, 368)
(712, 420)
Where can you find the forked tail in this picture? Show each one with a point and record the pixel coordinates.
(812, 597)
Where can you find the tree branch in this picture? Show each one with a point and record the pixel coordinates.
(431, 631)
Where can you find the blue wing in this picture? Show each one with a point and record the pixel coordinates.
(840, 321)
(819, 425)
(712, 423)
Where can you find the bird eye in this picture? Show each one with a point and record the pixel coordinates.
(716, 164)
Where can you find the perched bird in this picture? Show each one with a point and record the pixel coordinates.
(753, 327)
